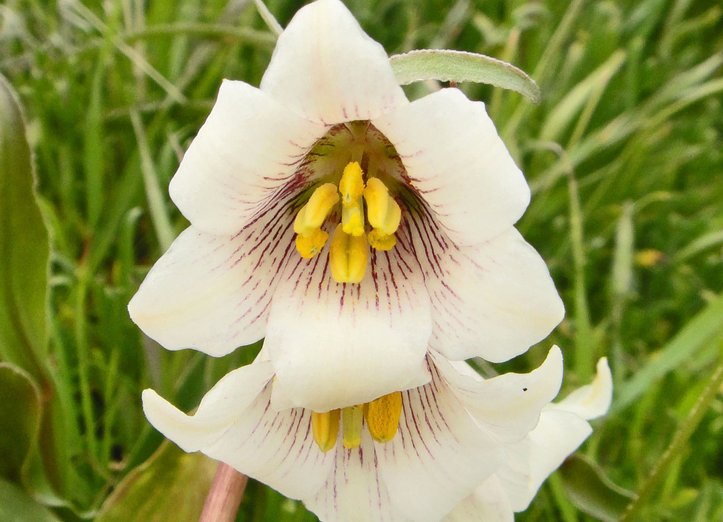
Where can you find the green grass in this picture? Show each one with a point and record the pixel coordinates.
(623, 153)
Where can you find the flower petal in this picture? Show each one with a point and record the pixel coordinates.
(492, 300)
(592, 400)
(213, 293)
(529, 462)
(507, 406)
(220, 408)
(562, 428)
(458, 164)
(328, 70)
(354, 492)
(438, 456)
(336, 345)
(249, 147)
(236, 425)
(489, 503)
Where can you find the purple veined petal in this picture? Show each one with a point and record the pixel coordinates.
(458, 164)
(439, 454)
(249, 149)
(213, 293)
(328, 70)
(492, 300)
(336, 345)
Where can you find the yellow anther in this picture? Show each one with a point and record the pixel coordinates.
(311, 244)
(351, 422)
(382, 211)
(325, 427)
(348, 257)
(351, 184)
(352, 218)
(381, 241)
(382, 416)
(312, 215)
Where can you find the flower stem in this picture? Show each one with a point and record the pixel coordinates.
(224, 496)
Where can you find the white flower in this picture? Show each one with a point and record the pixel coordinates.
(419, 199)
(527, 463)
(413, 458)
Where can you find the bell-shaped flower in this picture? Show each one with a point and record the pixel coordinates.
(527, 463)
(350, 227)
(407, 456)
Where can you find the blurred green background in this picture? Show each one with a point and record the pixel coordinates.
(624, 156)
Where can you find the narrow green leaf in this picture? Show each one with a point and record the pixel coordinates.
(458, 66)
(565, 111)
(591, 491)
(20, 411)
(705, 328)
(23, 247)
(169, 482)
(17, 506)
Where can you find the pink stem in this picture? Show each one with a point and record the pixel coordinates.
(225, 495)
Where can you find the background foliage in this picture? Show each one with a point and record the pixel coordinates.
(623, 153)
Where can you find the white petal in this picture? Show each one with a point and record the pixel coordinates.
(562, 428)
(507, 406)
(276, 448)
(336, 345)
(354, 491)
(529, 462)
(327, 69)
(492, 300)
(213, 293)
(488, 503)
(220, 408)
(592, 400)
(438, 456)
(249, 147)
(458, 164)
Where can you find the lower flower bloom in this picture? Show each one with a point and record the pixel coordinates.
(411, 455)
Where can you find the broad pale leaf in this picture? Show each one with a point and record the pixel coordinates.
(23, 247)
(170, 483)
(591, 491)
(17, 506)
(459, 66)
(20, 411)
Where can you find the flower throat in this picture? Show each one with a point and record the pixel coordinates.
(362, 202)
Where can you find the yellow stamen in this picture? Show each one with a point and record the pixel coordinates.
(312, 215)
(325, 427)
(348, 257)
(382, 416)
(310, 245)
(351, 184)
(380, 240)
(352, 218)
(382, 211)
(351, 420)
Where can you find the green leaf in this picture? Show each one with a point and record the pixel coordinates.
(591, 491)
(17, 506)
(24, 247)
(459, 66)
(20, 411)
(701, 332)
(170, 484)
